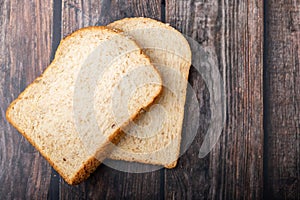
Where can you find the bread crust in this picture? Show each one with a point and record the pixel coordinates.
(90, 165)
(149, 23)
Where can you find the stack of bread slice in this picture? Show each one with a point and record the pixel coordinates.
(116, 91)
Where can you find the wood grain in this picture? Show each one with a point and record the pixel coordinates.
(78, 14)
(107, 183)
(233, 30)
(282, 99)
(233, 170)
(25, 48)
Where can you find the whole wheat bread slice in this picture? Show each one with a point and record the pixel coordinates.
(71, 112)
(154, 136)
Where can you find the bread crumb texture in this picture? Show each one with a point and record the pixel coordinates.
(154, 136)
(68, 112)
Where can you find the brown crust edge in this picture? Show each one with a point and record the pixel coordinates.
(112, 140)
(83, 172)
(167, 26)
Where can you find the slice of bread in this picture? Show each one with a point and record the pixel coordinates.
(71, 113)
(154, 137)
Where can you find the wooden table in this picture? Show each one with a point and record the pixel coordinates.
(258, 49)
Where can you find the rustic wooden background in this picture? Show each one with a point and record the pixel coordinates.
(258, 48)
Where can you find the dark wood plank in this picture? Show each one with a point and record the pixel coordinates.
(282, 99)
(107, 183)
(78, 14)
(25, 49)
(233, 30)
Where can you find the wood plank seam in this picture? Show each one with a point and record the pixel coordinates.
(56, 37)
(265, 112)
(163, 11)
